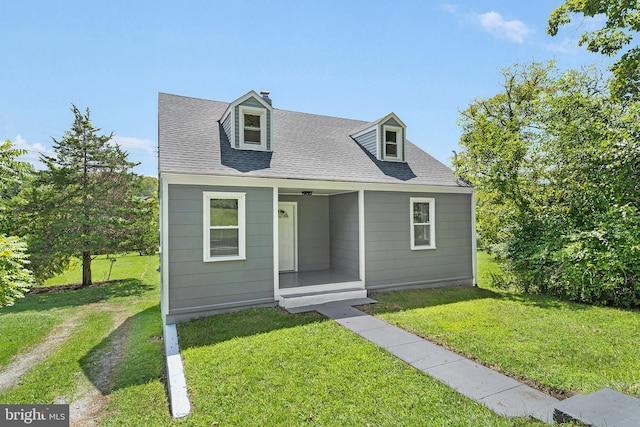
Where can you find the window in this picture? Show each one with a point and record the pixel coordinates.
(392, 143)
(253, 128)
(224, 226)
(423, 234)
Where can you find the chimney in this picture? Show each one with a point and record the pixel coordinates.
(265, 96)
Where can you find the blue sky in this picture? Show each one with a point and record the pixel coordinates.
(423, 60)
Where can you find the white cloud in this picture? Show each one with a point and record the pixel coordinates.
(140, 150)
(33, 151)
(449, 7)
(130, 143)
(514, 30)
(143, 151)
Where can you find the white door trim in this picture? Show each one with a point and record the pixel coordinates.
(294, 206)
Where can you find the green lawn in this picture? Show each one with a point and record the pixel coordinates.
(76, 364)
(102, 269)
(563, 346)
(268, 367)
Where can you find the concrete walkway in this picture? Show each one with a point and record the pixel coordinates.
(500, 393)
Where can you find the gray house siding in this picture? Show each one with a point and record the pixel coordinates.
(391, 122)
(195, 285)
(390, 262)
(313, 231)
(251, 102)
(226, 125)
(344, 233)
(369, 141)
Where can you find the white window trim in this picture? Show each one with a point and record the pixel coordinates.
(206, 217)
(432, 222)
(399, 142)
(242, 110)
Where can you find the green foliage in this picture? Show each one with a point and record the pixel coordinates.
(84, 203)
(601, 265)
(147, 186)
(145, 235)
(618, 31)
(556, 172)
(15, 278)
(12, 171)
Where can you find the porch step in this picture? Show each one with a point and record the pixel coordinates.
(323, 297)
(605, 407)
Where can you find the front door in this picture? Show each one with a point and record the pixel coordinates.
(287, 236)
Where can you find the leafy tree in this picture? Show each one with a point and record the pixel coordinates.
(622, 23)
(12, 171)
(146, 237)
(83, 204)
(147, 187)
(555, 161)
(15, 278)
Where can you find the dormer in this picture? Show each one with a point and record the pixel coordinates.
(384, 138)
(247, 122)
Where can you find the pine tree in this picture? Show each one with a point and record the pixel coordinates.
(83, 204)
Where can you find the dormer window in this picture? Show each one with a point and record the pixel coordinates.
(392, 143)
(383, 138)
(253, 133)
(247, 122)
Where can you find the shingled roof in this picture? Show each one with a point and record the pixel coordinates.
(305, 146)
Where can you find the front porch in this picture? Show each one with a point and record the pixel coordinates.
(319, 241)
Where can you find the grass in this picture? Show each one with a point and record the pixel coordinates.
(268, 367)
(30, 319)
(566, 347)
(76, 365)
(102, 269)
(487, 266)
(57, 376)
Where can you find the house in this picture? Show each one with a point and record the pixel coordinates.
(262, 206)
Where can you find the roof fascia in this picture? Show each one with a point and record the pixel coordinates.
(233, 181)
(369, 128)
(395, 117)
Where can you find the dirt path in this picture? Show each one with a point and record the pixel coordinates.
(90, 397)
(24, 361)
